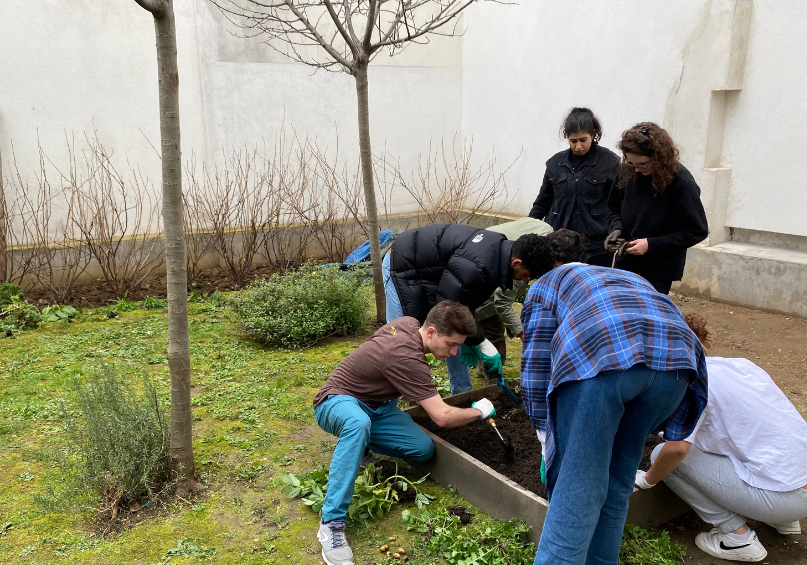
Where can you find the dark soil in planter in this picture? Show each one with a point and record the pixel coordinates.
(520, 461)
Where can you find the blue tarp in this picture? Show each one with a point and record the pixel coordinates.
(362, 252)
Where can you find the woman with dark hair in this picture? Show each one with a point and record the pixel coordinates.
(655, 207)
(574, 194)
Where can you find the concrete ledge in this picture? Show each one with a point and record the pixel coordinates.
(747, 274)
(504, 499)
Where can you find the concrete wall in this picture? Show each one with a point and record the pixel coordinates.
(725, 77)
(74, 66)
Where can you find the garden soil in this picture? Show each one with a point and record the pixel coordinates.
(519, 459)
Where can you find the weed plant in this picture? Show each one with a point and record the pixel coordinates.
(17, 314)
(373, 495)
(640, 547)
(300, 307)
(120, 440)
(444, 535)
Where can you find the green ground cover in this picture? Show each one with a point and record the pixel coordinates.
(253, 424)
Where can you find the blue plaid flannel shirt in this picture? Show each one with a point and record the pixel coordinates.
(580, 321)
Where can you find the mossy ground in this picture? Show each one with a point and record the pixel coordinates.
(253, 422)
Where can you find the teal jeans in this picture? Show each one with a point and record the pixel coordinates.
(385, 430)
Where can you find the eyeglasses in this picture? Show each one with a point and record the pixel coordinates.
(640, 166)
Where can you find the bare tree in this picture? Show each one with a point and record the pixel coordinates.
(179, 358)
(3, 226)
(345, 35)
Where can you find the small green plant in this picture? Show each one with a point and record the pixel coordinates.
(58, 313)
(299, 307)
(122, 305)
(373, 495)
(120, 442)
(190, 548)
(9, 293)
(151, 303)
(444, 535)
(19, 315)
(640, 547)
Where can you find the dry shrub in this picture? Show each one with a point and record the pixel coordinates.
(118, 219)
(447, 186)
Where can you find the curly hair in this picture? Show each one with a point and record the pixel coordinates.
(650, 140)
(567, 246)
(697, 324)
(581, 120)
(535, 254)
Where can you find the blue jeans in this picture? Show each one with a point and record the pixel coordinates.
(385, 430)
(600, 428)
(458, 374)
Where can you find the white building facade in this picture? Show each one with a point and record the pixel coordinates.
(726, 78)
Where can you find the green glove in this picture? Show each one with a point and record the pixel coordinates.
(470, 355)
(543, 469)
(493, 363)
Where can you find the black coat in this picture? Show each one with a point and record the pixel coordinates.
(671, 221)
(449, 262)
(578, 200)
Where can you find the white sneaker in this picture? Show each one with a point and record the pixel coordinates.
(335, 550)
(792, 529)
(721, 546)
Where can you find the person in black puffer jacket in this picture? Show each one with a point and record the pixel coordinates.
(656, 207)
(461, 263)
(574, 194)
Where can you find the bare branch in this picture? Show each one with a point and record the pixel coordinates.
(156, 7)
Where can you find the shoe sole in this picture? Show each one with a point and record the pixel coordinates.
(788, 532)
(752, 557)
(325, 559)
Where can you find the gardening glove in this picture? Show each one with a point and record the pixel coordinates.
(640, 483)
(491, 357)
(611, 240)
(543, 469)
(470, 355)
(485, 406)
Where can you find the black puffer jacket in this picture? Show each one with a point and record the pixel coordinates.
(449, 262)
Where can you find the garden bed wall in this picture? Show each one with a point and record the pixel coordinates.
(500, 497)
(152, 245)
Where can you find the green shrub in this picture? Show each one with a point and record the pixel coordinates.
(152, 303)
(8, 293)
(300, 307)
(58, 313)
(119, 440)
(19, 315)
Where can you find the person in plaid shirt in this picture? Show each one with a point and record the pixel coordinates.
(606, 361)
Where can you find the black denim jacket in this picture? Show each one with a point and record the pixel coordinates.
(578, 200)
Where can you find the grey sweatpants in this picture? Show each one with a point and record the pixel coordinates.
(709, 484)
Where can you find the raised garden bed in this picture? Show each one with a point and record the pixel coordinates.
(520, 494)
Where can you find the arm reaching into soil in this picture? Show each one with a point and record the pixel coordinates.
(670, 456)
(447, 416)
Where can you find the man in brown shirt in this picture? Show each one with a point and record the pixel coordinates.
(358, 404)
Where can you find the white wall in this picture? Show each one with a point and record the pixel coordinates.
(631, 61)
(74, 66)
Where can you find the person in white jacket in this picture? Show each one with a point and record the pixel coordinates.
(747, 458)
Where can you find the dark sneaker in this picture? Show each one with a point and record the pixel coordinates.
(721, 546)
(335, 550)
(369, 458)
(792, 529)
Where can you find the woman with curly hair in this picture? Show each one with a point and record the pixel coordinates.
(574, 194)
(655, 207)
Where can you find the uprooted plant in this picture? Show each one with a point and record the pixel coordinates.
(373, 494)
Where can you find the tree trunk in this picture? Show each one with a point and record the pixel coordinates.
(369, 187)
(179, 361)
